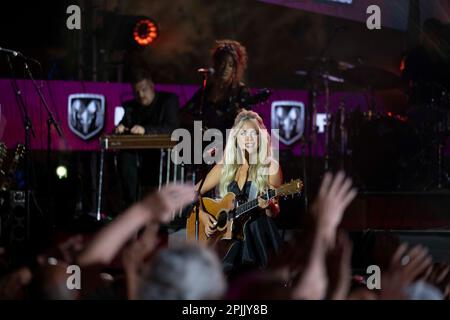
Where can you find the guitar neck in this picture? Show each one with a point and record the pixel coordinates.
(291, 188)
(248, 206)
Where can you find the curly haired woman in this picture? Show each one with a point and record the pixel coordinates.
(221, 99)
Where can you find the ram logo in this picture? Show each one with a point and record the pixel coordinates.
(86, 113)
(289, 118)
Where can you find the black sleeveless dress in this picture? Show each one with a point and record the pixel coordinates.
(261, 236)
(219, 115)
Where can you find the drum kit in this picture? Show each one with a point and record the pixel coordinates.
(383, 151)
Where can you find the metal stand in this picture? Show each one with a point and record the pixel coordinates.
(312, 75)
(28, 127)
(161, 162)
(439, 165)
(168, 167)
(100, 184)
(442, 179)
(327, 120)
(199, 112)
(164, 153)
(343, 143)
(50, 122)
(305, 179)
(197, 211)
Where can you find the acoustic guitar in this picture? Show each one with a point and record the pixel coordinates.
(230, 217)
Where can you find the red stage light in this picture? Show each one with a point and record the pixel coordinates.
(145, 32)
(403, 64)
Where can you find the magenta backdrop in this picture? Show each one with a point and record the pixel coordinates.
(57, 92)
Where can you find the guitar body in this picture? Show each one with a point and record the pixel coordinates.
(230, 228)
(218, 209)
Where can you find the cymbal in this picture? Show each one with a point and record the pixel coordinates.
(330, 63)
(372, 77)
(329, 77)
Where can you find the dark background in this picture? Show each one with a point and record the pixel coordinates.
(279, 40)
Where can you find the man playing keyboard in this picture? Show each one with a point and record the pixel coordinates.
(151, 112)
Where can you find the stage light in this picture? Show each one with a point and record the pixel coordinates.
(403, 64)
(61, 172)
(145, 32)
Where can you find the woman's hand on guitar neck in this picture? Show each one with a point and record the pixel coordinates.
(263, 204)
(271, 206)
(209, 222)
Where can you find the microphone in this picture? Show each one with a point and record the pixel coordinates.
(18, 54)
(206, 70)
(14, 53)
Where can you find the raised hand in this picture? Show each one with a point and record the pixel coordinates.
(134, 255)
(136, 252)
(64, 253)
(312, 280)
(170, 199)
(339, 268)
(406, 266)
(70, 248)
(335, 194)
(440, 278)
(156, 208)
(13, 285)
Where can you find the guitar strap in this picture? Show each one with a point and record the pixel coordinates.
(253, 192)
(200, 196)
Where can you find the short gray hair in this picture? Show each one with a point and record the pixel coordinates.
(186, 272)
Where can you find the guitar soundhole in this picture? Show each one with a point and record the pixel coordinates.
(222, 219)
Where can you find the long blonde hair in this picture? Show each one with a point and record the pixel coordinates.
(232, 160)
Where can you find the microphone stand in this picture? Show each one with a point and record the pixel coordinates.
(200, 106)
(50, 122)
(28, 127)
(197, 210)
(327, 121)
(199, 113)
(312, 130)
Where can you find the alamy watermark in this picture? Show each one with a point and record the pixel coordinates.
(373, 22)
(73, 281)
(373, 282)
(190, 150)
(73, 22)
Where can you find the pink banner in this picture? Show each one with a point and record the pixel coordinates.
(57, 95)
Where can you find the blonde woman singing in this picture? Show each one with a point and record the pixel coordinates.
(247, 170)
